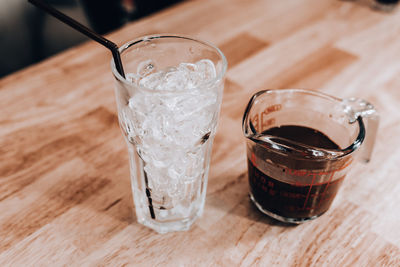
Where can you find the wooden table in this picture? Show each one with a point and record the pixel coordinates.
(65, 196)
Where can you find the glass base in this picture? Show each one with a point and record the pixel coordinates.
(281, 218)
(167, 225)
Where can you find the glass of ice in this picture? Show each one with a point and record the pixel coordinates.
(168, 108)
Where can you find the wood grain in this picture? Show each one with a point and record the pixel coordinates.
(65, 197)
(241, 47)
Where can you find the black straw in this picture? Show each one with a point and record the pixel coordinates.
(105, 42)
(83, 29)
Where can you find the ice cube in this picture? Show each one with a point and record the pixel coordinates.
(168, 125)
(176, 80)
(153, 81)
(132, 77)
(206, 68)
(188, 66)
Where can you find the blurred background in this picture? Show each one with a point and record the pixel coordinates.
(28, 35)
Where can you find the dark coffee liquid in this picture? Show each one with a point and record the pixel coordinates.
(388, 1)
(292, 200)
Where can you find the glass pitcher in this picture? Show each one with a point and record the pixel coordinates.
(300, 146)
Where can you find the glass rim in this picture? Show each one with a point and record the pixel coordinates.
(138, 40)
(327, 154)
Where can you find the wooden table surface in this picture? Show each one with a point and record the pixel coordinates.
(65, 197)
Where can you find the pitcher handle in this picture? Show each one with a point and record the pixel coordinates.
(355, 108)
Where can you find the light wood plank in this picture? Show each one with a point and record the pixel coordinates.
(65, 196)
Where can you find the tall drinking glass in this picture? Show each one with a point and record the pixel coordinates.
(168, 108)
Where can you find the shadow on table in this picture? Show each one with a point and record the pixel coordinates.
(385, 6)
(236, 189)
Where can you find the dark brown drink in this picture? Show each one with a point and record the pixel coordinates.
(299, 200)
(387, 2)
